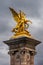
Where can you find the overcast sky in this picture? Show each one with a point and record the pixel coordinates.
(34, 12)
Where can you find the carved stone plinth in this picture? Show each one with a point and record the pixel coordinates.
(22, 50)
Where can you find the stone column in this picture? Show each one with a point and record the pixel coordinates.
(12, 57)
(32, 57)
(25, 57)
(22, 50)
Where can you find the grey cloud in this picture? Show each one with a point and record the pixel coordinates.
(6, 25)
(40, 62)
(4, 59)
(31, 7)
(37, 31)
(3, 28)
(39, 56)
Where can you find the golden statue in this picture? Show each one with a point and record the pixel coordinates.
(22, 24)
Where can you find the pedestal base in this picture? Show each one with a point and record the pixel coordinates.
(22, 50)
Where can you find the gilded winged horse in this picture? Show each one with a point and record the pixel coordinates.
(21, 20)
